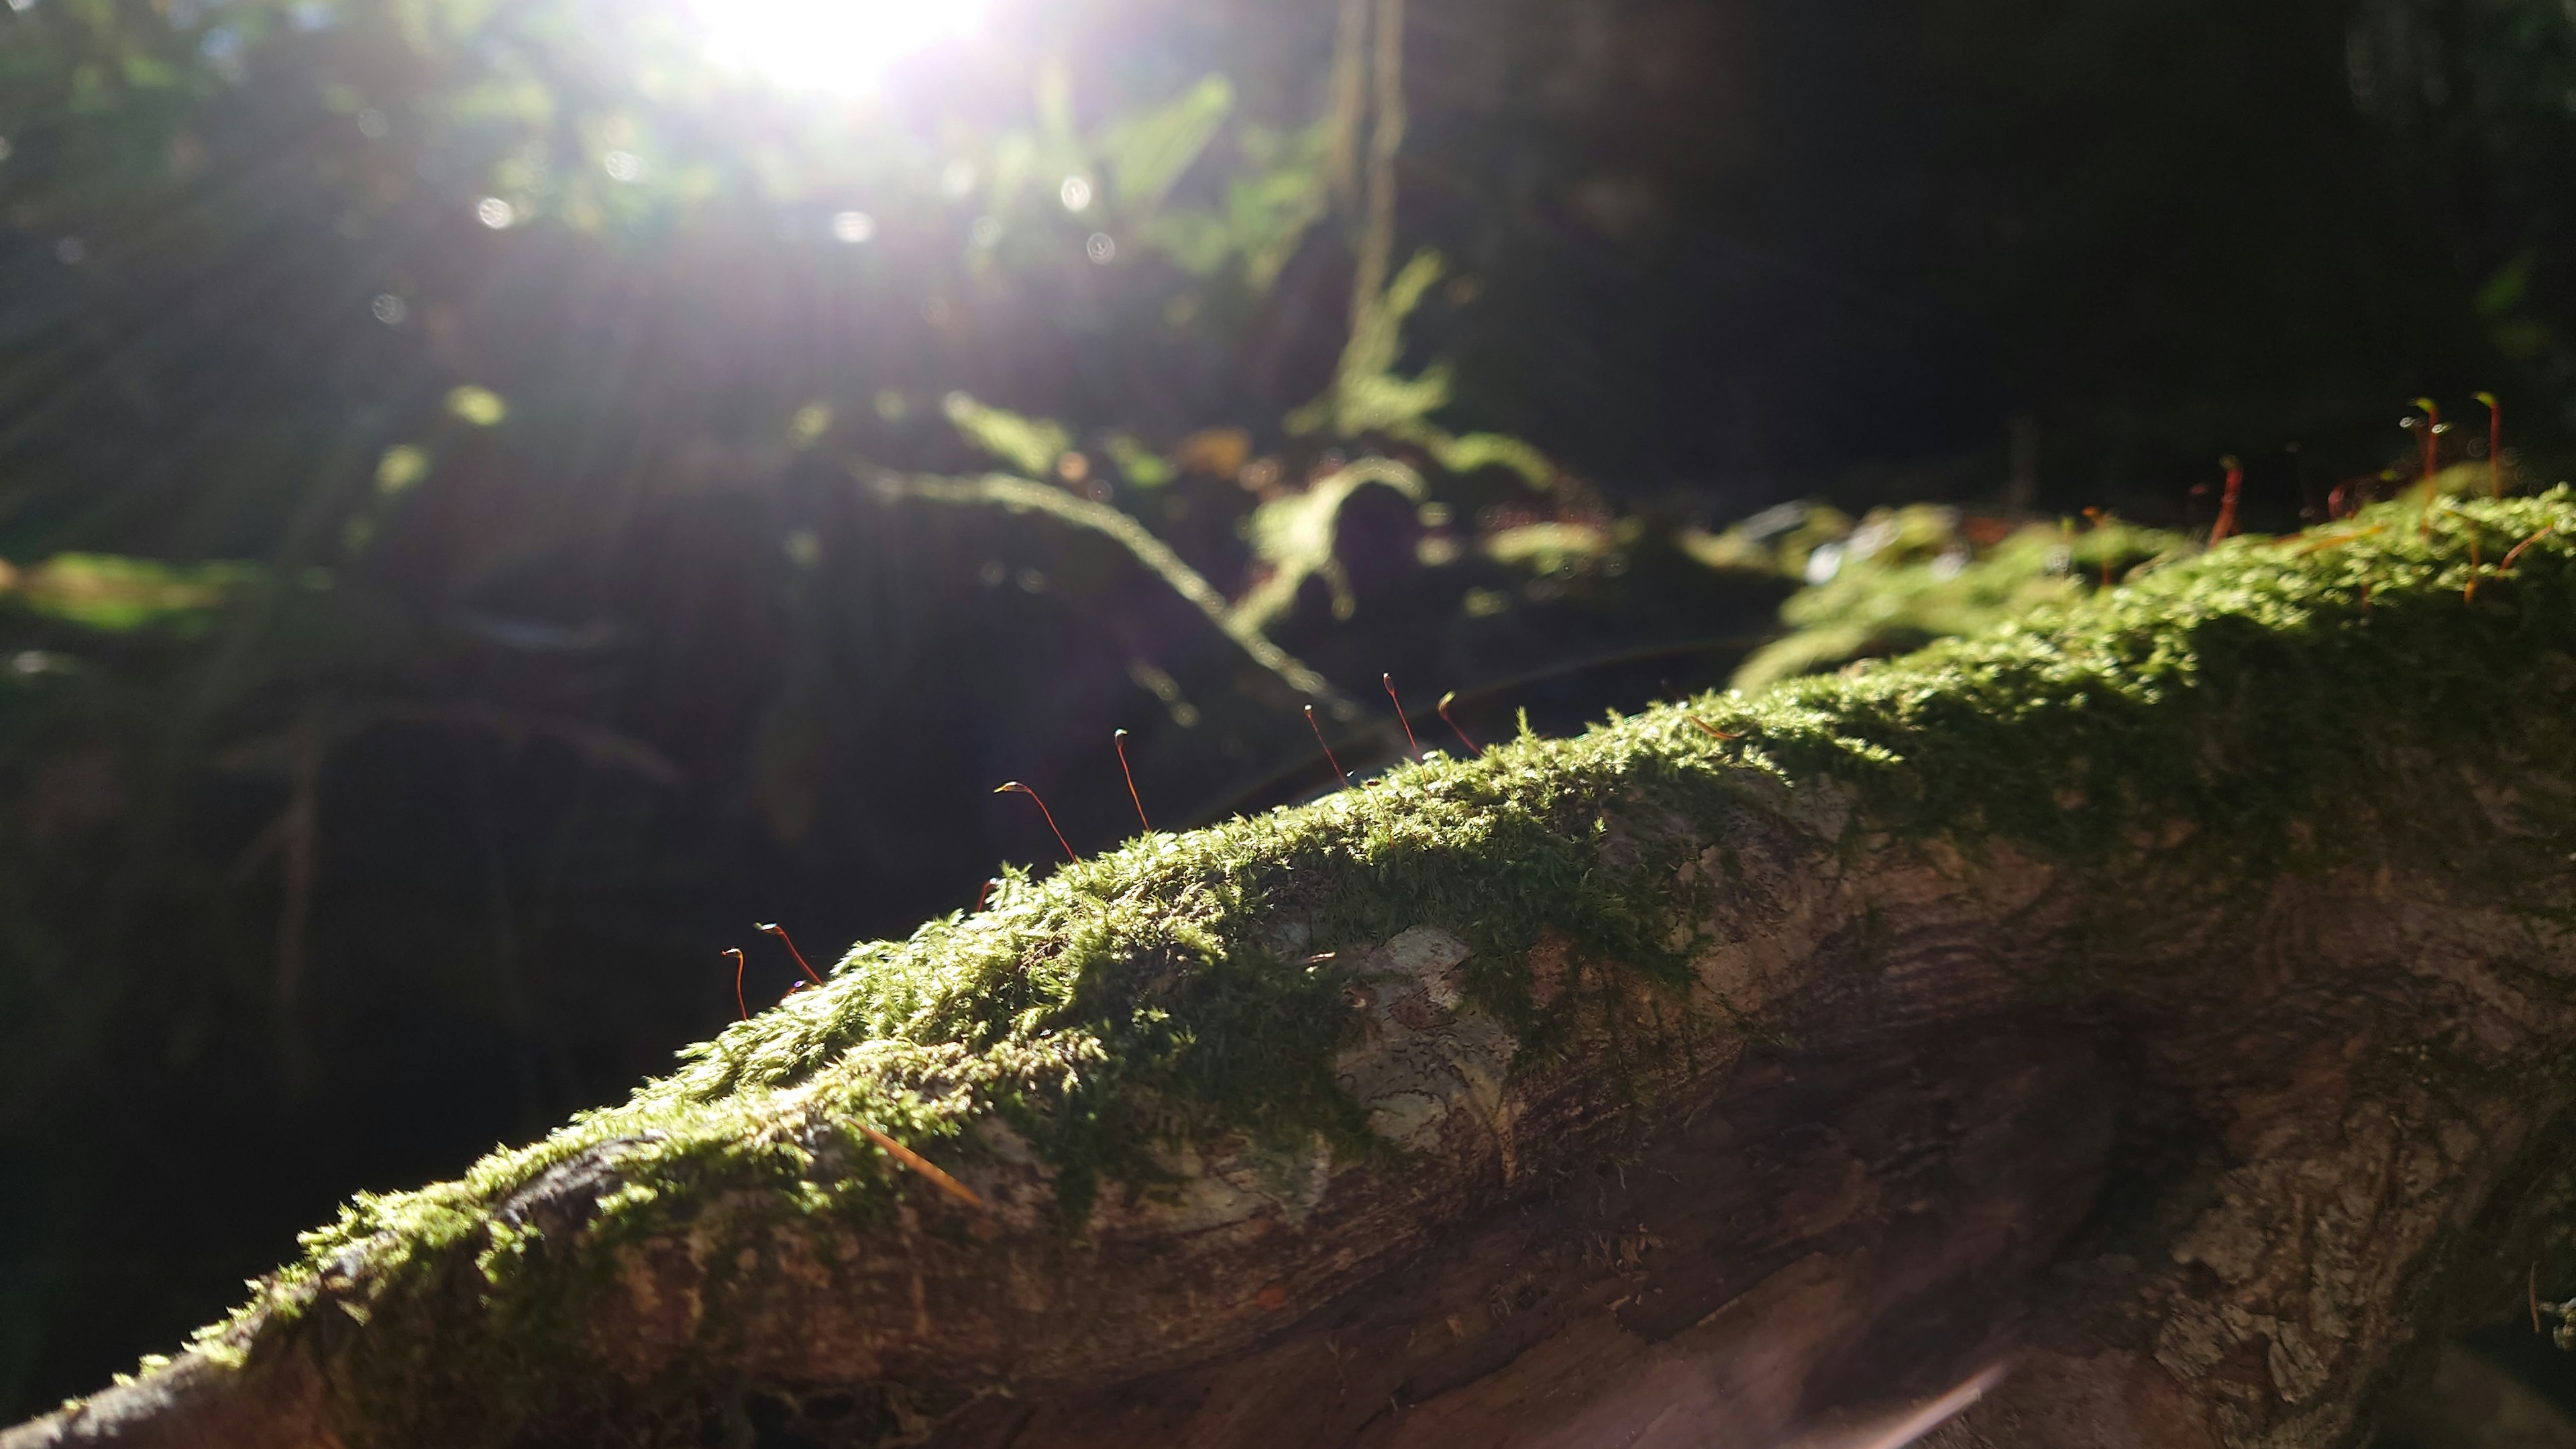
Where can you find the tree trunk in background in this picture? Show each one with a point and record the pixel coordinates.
(2166, 1159)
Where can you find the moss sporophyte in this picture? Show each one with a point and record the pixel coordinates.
(1317, 726)
(1412, 746)
(1014, 787)
(1188, 987)
(1119, 739)
(1455, 728)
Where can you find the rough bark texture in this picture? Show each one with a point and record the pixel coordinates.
(2201, 1122)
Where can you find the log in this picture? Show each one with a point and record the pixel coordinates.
(2148, 1028)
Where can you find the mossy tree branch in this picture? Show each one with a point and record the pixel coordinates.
(2146, 1000)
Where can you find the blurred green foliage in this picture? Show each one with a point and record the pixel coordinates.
(1902, 578)
(1294, 536)
(1028, 444)
(105, 591)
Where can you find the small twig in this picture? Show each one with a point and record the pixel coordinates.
(1710, 729)
(924, 1166)
(2532, 1287)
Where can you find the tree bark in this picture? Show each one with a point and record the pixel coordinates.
(1942, 1131)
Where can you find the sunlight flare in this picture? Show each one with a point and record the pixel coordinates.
(827, 45)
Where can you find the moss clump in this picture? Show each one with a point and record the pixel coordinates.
(1908, 576)
(2253, 694)
(1184, 985)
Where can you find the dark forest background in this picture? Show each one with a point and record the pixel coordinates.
(494, 505)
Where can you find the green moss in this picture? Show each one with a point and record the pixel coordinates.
(1188, 985)
(2254, 695)
(1908, 576)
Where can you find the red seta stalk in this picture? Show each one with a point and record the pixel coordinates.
(1318, 728)
(1410, 744)
(2101, 520)
(2226, 524)
(2495, 444)
(736, 953)
(1119, 738)
(924, 1166)
(2516, 552)
(2431, 428)
(780, 932)
(1015, 787)
(1446, 700)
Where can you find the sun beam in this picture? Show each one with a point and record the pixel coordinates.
(827, 45)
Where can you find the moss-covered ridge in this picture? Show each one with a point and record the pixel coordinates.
(1187, 985)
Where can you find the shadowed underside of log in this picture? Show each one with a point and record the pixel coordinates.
(2155, 1019)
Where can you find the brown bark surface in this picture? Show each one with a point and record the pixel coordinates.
(2206, 1209)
